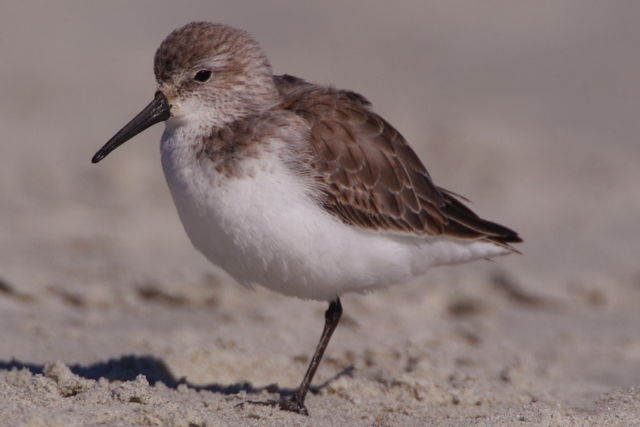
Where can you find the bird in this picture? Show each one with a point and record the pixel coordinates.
(298, 187)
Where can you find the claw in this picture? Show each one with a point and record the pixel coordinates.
(293, 406)
(284, 404)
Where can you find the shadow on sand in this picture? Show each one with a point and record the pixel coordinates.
(127, 368)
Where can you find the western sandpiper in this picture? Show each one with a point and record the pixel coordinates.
(294, 186)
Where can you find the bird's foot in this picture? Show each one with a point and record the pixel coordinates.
(291, 405)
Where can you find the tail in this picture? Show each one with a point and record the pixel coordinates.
(464, 223)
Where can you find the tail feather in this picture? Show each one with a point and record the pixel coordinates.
(465, 223)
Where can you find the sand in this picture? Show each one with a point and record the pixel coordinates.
(415, 355)
(110, 317)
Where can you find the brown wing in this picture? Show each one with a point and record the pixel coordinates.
(370, 176)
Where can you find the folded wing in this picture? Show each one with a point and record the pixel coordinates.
(370, 176)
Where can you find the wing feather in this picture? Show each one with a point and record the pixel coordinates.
(370, 176)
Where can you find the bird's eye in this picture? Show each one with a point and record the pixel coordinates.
(202, 76)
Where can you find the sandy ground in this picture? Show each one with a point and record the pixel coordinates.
(110, 317)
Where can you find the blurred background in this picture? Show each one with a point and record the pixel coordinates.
(529, 109)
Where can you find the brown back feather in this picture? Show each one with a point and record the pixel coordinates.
(370, 176)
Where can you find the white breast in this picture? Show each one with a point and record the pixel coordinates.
(263, 227)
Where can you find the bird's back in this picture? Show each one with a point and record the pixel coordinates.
(369, 175)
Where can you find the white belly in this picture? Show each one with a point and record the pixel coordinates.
(263, 227)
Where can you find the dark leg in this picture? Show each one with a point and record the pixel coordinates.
(296, 402)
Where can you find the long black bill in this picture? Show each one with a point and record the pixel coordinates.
(157, 111)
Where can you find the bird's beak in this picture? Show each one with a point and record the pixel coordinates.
(158, 110)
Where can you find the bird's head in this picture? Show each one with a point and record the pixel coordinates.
(208, 75)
